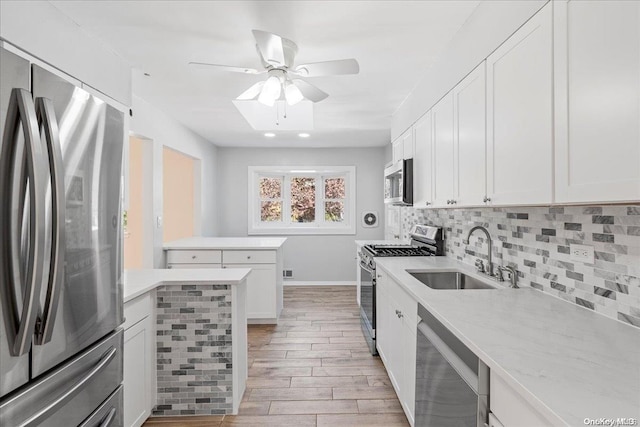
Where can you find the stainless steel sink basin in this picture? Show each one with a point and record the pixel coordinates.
(450, 280)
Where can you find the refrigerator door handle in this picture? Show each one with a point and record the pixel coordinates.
(20, 327)
(74, 390)
(49, 128)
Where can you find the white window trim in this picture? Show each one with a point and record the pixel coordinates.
(257, 227)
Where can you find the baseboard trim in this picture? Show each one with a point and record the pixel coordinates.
(318, 283)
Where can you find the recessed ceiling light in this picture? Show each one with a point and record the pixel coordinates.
(269, 134)
(304, 135)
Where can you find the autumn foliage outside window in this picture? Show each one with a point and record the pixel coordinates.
(299, 199)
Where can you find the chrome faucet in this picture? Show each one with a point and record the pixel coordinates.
(479, 264)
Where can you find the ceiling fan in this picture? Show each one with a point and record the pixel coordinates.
(277, 55)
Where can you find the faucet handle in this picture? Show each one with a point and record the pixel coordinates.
(480, 265)
(512, 275)
(498, 275)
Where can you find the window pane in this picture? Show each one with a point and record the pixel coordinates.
(334, 188)
(270, 211)
(334, 211)
(270, 188)
(303, 199)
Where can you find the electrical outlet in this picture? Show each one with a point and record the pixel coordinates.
(287, 274)
(582, 253)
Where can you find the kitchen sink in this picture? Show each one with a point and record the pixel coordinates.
(450, 280)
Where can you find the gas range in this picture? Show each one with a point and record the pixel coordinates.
(425, 241)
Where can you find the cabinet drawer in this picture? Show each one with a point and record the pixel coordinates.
(136, 310)
(249, 257)
(194, 265)
(194, 257)
(406, 304)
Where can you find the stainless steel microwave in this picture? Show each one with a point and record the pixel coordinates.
(398, 183)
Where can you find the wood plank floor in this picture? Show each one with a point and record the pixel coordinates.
(312, 369)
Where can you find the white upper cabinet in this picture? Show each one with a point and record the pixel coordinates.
(397, 150)
(520, 115)
(597, 78)
(423, 162)
(443, 151)
(407, 144)
(470, 168)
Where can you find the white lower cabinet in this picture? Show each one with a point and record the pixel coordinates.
(509, 408)
(396, 324)
(261, 303)
(264, 283)
(139, 360)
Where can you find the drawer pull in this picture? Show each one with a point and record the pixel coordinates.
(194, 257)
(248, 256)
(399, 314)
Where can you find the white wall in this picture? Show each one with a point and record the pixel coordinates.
(312, 258)
(152, 123)
(44, 32)
(488, 27)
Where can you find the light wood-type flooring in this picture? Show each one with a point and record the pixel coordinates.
(312, 369)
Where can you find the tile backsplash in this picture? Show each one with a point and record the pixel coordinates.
(536, 241)
(194, 354)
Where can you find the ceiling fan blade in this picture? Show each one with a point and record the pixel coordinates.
(309, 91)
(328, 68)
(252, 92)
(206, 66)
(270, 47)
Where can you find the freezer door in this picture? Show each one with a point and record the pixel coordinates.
(71, 393)
(89, 306)
(14, 370)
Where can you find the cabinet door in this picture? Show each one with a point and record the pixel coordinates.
(136, 374)
(520, 115)
(397, 150)
(443, 152)
(382, 321)
(407, 144)
(408, 397)
(261, 290)
(597, 80)
(422, 162)
(470, 138)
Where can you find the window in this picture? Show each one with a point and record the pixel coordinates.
(318, 200)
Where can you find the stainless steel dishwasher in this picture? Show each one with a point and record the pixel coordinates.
(452, 384)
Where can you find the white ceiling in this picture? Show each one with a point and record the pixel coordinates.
(394, 42)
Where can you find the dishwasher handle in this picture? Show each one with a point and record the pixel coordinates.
(465, 372)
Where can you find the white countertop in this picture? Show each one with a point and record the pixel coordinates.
(139, 282)
(567, 361)
(227, 243)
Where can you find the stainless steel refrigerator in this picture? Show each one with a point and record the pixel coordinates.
(60, 251)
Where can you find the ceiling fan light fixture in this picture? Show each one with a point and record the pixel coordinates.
(292, 94)
(270, 91)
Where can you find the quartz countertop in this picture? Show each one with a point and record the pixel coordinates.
(139, 282)
(568, 362)
(258, 243)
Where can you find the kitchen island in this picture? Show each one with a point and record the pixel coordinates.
(263, 255)
(550, 361)
(185, 350)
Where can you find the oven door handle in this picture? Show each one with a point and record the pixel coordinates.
(366, 268)
(454, 360)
